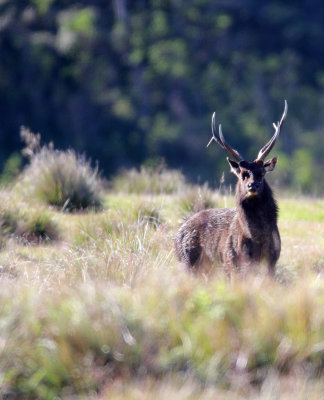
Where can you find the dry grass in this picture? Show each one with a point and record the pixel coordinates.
(181, 387)
(107, 312)
(62, 179)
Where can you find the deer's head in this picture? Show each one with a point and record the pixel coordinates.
(250, 174)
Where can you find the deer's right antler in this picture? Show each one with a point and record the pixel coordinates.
(221, 140)
(268, 147)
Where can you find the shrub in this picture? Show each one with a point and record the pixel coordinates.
(62, 179)
(149, 181)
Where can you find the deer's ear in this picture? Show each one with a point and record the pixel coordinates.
(270, 164)
(235, 168)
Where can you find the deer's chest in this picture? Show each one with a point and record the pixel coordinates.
(255, 251)
(250, 250)
(261, 249)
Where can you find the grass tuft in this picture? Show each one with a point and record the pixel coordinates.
(28, 225)
(37, 227)
(62, 179)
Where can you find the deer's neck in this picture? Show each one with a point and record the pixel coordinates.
(258, 215)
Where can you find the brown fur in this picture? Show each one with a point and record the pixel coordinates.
(241, 237)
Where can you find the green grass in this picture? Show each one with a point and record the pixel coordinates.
(304, 209)
(22, 222)
(105, 311)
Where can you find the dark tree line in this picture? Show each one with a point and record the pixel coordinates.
(131, 82)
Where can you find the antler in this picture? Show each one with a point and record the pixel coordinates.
(221, 140)
(267, 148)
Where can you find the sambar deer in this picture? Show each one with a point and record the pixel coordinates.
(242, 237)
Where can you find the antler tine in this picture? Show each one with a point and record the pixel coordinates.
(268, 147)
(214, 137)
(221, 140)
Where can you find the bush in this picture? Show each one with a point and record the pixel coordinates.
(62, 179)
(149, 181)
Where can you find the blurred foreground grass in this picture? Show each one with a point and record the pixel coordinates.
(105, 311)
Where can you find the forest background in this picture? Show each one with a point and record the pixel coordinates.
(133, 83)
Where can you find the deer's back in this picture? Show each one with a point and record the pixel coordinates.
(204, 234)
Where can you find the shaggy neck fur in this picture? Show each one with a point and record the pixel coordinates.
(257, 215)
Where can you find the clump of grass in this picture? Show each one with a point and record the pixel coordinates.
(20, 221)
(149, 181)
(62, 179)
(197, 198)
(37, 226)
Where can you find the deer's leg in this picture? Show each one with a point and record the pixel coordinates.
(272, 268)
(274, 252)
(230, 258)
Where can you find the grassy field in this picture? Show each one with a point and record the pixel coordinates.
(95, 305)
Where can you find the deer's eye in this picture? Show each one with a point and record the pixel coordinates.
(245, 175)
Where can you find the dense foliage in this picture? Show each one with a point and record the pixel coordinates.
(130, 82)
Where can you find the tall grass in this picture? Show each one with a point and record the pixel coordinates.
(149, 180)
(59, 178)
(75, 340)
(20, 221)
(105, 311)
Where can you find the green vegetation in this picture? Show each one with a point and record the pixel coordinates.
(23, 222)
(11, 169)
(296, 211)
(129, 82)
(106, 310)
(61, 179)
(94, 304)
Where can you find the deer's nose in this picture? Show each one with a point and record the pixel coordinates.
(253, 186)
